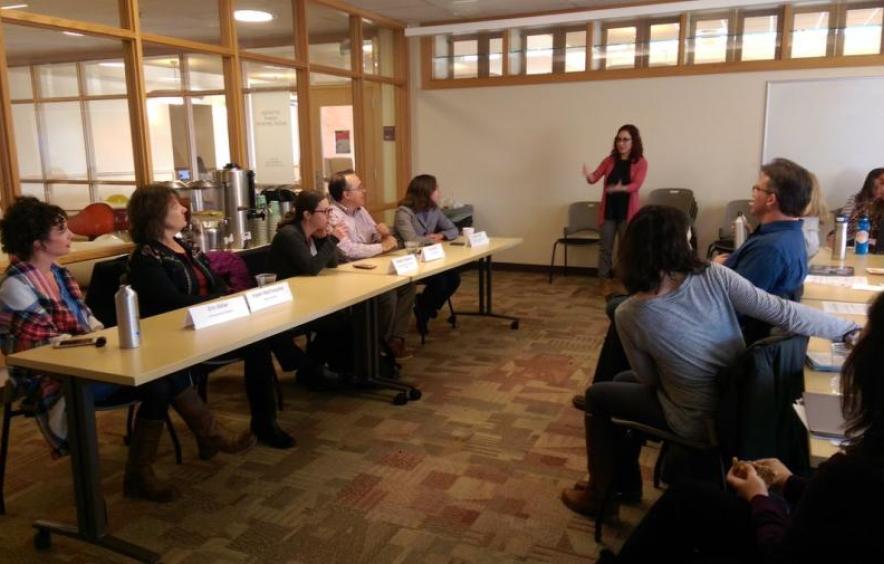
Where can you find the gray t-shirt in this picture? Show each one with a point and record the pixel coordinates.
(678, 342)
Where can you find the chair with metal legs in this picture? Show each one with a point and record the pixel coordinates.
(582, 230)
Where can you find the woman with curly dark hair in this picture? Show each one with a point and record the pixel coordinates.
(833, 517)
(679, 328)
(40, 302)
(624, 171)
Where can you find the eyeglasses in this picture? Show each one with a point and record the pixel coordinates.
(623, 139)
(355, 190)
(326, 211)
(754, 188)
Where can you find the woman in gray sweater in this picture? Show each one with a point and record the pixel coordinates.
(679, 328)
(418, 218)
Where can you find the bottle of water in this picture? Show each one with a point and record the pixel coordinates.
(839, 248)
(861, 239)
(273, 219)
(128, 318)
(741, 230)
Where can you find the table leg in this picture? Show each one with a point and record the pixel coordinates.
(367, 345)
(91, 509)
(485, 295)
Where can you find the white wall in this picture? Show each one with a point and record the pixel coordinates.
(515, 151)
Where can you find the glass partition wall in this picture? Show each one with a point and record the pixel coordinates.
(99, 99)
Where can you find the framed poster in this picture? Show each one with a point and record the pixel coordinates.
(342, 141)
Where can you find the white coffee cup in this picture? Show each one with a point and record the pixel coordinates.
(468, 231)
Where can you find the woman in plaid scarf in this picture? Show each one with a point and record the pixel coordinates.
(41, 302)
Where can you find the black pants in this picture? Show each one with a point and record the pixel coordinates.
(333, 341)
(154, 397)
(612, 359)
(259, 375)
(694, 524)
(438, 289)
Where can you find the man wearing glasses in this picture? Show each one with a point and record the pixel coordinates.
(774, 257)
(367, 238)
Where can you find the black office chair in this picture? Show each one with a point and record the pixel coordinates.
(582, 230)
(12, 407)
(679, 198)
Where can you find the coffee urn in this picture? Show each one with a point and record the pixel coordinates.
(238, 187)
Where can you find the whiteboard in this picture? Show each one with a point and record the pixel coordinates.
(833, 127)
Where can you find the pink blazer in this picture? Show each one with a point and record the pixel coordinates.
(637, 172)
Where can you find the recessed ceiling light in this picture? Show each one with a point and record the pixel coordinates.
(112, 64)
(72, 33)
(14, 7)
(252, 16)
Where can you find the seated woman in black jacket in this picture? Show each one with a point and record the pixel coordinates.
(305, 244)
(833, 517)
(169, 274)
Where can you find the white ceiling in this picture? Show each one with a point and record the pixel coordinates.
(428, 11)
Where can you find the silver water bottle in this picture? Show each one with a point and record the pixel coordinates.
(741, 230)
(839, 247)
(128, 318)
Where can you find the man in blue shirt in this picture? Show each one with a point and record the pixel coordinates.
(774, 257)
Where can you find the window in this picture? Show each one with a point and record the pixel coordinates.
(539, 53)
(758, 39)
(810, 35)
(328, 31)
(274, 38)
(710, 40)
(465, 61)
(331, 108)
(195, 21)
(862, 32)
(70, 120)
(187, 114)
(620, 47)
(495, 56)
(575, 51)
(380, 173)
(378, 46)
(663, 44)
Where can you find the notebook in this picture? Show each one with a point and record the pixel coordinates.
(824, 416)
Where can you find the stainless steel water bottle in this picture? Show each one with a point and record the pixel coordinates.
(741, 230)
(128, 318)
(839, 248)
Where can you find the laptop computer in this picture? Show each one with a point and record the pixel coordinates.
(824, 416)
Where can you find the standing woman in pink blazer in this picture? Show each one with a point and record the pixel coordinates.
(624, 171)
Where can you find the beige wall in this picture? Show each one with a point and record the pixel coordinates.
(515, 151)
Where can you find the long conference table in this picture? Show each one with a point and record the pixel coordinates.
(169, 346)
(814, 296)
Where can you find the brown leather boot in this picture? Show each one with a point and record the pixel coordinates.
(601, 454)
(211, 437)
(139, 480)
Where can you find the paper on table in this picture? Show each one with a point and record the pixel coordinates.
(798, 406)
(844, 308)
(868, 287)
(840, 281)
(875, 270)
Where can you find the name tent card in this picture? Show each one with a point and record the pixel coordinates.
(479, 239)
(267, 296)
(404, 265)
(213, 313)
(432, 252)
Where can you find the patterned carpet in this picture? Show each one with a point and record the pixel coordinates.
(470, 473)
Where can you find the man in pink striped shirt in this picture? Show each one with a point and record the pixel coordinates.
(366, 238)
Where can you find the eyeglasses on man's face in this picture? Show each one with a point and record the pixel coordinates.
(754, 188)
(326, 211)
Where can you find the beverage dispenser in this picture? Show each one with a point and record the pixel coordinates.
(238, 188)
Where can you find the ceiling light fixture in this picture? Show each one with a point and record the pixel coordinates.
(112, 64)
(252, 16)
(72, 33)
(14, 7)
